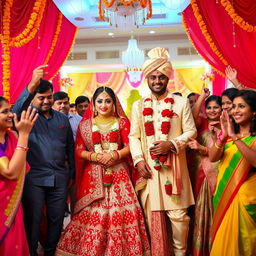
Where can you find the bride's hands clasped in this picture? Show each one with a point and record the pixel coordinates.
(105, 159)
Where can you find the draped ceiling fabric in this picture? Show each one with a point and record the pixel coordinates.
(32, 33)
(225, 34)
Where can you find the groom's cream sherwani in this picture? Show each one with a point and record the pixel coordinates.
(182, 128)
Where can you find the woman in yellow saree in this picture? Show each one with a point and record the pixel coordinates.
(234, 223)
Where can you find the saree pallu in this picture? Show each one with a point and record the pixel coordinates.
(234, 223)
(12, 233)
(205, 173)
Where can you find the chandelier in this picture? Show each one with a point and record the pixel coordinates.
(133, 59)
(123, 14)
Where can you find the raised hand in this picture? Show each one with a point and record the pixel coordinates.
(27, 121)
(231, 73)
(230, 126)
(224, 118)
(144, 169)
(205, 92)
(37, 75)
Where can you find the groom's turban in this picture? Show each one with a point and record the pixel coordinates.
(158, 60)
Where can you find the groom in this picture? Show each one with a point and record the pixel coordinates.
(161, 125)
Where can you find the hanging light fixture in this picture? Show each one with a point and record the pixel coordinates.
(133, 59)
(124, 14)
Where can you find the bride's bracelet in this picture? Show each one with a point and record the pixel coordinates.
(93, 156)
(118, 154)
(112, 153)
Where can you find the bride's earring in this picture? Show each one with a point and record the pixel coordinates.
(95, 112)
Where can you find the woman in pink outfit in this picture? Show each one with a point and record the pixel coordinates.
(13, 168)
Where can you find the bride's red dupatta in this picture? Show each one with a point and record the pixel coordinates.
(89, 174)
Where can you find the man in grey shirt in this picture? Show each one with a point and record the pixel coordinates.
(61, 104)
(51, 147)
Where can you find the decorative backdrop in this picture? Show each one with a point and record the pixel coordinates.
(224, 33)
(34, 32)
(183, 80)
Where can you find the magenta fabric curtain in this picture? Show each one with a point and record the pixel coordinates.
(219, 83)
(50, 45)
(214, 35)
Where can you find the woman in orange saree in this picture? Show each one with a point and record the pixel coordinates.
(234, 222)
(108, 219)
(12, 174)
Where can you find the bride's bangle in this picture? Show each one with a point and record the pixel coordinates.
(112, 153)
(117, 153)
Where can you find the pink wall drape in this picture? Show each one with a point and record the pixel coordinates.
(221, 41)
(51, 44)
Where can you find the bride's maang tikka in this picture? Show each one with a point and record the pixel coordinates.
(104, 92)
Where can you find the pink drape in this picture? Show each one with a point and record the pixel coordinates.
(26, 58)
(222, 35)
(218, 84)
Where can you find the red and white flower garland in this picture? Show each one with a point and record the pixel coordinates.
(167, 114)
(113, 145)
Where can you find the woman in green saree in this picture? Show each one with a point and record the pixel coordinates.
(234, 222)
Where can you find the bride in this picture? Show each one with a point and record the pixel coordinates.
(108, 219)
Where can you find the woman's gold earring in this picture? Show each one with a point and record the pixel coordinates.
(95, 112)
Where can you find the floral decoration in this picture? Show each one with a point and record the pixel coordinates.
(113, 145)
(167, 113)
(66, 82)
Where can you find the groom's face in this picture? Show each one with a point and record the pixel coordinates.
(157, 82)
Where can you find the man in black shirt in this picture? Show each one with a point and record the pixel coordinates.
(51, 158)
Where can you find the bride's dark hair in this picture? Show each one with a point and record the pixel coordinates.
(108, 90)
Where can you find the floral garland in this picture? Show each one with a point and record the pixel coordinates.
(6, 48)
(32, 27)
(205, 32)
(113, 146)
(167, 114)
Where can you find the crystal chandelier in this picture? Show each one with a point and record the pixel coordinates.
(123, 14)
(133, 59)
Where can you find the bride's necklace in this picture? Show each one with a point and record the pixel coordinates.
(104, 123)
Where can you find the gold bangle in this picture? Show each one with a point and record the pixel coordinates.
(94, 157)
(112, 154)
(218, 147)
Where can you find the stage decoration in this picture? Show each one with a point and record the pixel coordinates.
(207, 77)
(123, 14)
(33, 32)
(66, 82)
(243, 14)
(167, 113)
(236, 48)
(133, 59)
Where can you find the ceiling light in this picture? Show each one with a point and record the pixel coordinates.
(125, 15)
(79, 18)
(152, 32)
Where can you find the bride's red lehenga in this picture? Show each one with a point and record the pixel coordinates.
(107, 220)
